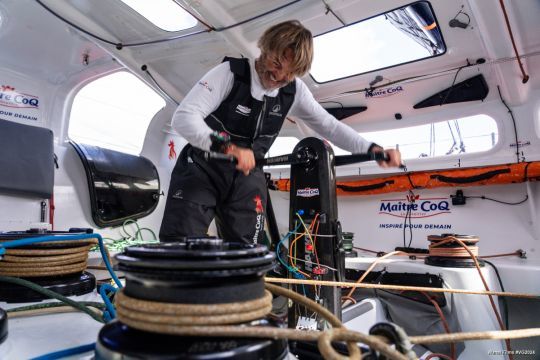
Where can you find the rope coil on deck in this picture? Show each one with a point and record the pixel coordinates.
(70, 258)
(448, 246)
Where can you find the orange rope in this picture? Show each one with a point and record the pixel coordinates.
(450, 239)
(445, 323)
(373, 264)
(515, 253)
(452, 252)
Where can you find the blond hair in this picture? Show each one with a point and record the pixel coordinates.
(289, 35)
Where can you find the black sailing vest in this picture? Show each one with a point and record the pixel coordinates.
(249, 122)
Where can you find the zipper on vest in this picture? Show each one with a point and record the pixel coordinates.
(259, 119)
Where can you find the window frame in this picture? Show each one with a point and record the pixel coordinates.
(75, 91)
(387, 67)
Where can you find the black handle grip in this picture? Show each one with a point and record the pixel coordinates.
(219, 157)
(289, 159)
(356, 158)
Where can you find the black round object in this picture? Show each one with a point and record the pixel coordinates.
(452, 262)
(3, 325)
(117, 340)
(398, 116)
(197, 271)
(67, 285)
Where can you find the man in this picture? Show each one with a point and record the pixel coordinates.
(238, 108)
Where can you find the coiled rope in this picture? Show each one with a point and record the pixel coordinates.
(188, 320)
(71, 257)
(448, 246)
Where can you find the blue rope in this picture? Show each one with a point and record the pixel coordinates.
(67, 352)
(28, 241)
(111, 312)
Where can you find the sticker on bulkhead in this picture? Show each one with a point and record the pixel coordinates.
(307, 192)
(384, 92)
(418, 208)
(17, 105)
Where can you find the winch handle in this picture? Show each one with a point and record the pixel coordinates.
(227, 158)
(356, 158)
(289, 159)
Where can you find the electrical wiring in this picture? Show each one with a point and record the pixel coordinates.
(308, 232)
(313, 263)
(286, 237)
(291, 247)
(408, 217)
(498, 201)
(367, 250)
(454, 82)
(503, 300)
(119, 45)
(513, 122)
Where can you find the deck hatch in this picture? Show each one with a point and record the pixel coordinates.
(121, 186)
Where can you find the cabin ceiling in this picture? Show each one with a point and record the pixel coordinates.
(29, 32)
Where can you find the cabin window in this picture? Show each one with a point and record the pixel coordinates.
(460, 136)
(406, 34)
(113, 112)
(165, 14)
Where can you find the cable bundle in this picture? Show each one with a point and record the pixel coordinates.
(47, 258)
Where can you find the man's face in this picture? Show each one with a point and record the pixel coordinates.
(274, 71)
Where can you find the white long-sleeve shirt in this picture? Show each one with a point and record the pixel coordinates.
(214, 87)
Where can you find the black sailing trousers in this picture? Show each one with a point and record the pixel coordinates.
(202, 190)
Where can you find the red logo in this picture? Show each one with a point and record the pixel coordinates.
(412, 197)
(172, 152)
(7, 88)
(258, 204)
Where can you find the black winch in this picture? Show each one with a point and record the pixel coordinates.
(73, 284)
(200, 271)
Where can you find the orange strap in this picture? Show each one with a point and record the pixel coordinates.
(489, 175)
